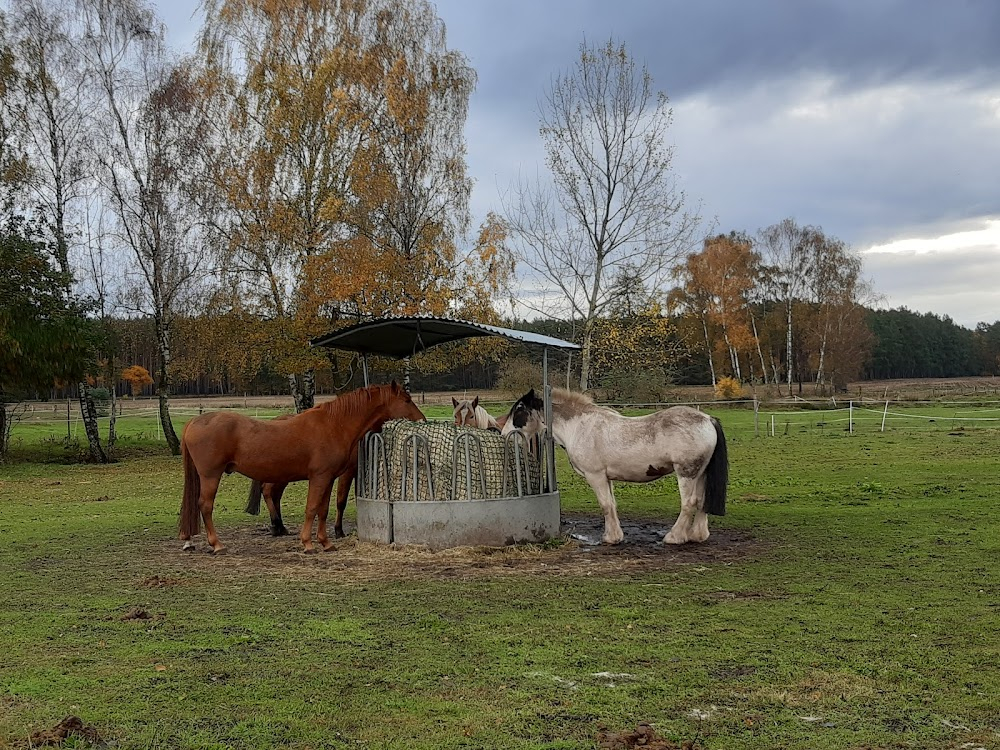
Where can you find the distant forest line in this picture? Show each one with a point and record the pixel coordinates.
(903, 344)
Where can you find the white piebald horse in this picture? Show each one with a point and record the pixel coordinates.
(468, 413)
(604, 447)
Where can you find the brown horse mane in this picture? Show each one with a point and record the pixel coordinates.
(358, 401)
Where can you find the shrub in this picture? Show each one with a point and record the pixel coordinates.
(518, 375)
(728, 389)
(102, 400)
(635, 385)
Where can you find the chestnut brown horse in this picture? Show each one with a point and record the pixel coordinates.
(316, 445)
(271, 494)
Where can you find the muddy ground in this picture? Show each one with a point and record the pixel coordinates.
(251, 550)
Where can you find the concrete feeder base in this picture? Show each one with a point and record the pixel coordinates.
(441, 524)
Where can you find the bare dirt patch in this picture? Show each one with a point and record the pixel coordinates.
(71, 726)
(251, 551)
(642, 736)
(136, 613)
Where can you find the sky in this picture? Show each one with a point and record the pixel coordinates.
(877, 120)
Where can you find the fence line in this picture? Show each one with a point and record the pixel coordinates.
(774, 414)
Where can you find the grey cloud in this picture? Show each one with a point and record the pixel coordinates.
(964, 284)
(712, 44)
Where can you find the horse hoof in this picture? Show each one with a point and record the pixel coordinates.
(339, 534)
(668, 539)
(188, 546)
(218, 550)
(310, 551)
(280, 531)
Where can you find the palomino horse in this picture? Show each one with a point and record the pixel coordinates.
(604, 447)
(470, 414)
(316, 445)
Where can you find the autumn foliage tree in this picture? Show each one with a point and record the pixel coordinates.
(137, 378)
(784, 306)
(634, 354)
(717, 285)
(337, 179)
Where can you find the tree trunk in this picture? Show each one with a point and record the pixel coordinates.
(112, 437)
(309, 389)
(788, 345)
(756, 338)
(820, 374)
(708, 348)
(4, 428)
(88, 413)
(304, 394)
(163, 389)
(734, 356)
(588, 342)
(168, 427)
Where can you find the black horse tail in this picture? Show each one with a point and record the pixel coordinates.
(190, 521)
(717, 475)
(253, 500)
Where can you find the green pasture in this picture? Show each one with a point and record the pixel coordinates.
(862, 611)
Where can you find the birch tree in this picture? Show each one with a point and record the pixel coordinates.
(147, 133)
(280, 81)
(787, 249)
(55, 107)
(613, 201)
(13, 163)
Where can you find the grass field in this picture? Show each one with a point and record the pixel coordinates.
(850, 598)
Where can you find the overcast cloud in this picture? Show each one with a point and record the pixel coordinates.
(878, 120)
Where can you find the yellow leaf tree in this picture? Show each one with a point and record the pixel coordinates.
(338, 182)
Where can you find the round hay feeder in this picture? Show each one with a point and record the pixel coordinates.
(439, 485)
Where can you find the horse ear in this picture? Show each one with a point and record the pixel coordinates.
(475, 402)
(530, 395)
(394, 385)
(454, 402)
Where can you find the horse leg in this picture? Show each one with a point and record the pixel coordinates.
(343, 490)
(206, 502)
(272, 496)
(687, 527)
(321, 516)
(317, 502)
(605, 492)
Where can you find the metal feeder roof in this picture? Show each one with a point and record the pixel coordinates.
(405, 336)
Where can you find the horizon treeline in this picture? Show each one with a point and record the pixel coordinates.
(904, 344)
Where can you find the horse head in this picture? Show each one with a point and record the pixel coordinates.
(465, 411)
(526, 415)
(399, 404)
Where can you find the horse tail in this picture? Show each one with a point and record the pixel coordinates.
(717, 474)
(190, 522)
(253, 499)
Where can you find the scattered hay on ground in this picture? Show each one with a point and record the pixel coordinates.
(252, 552)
